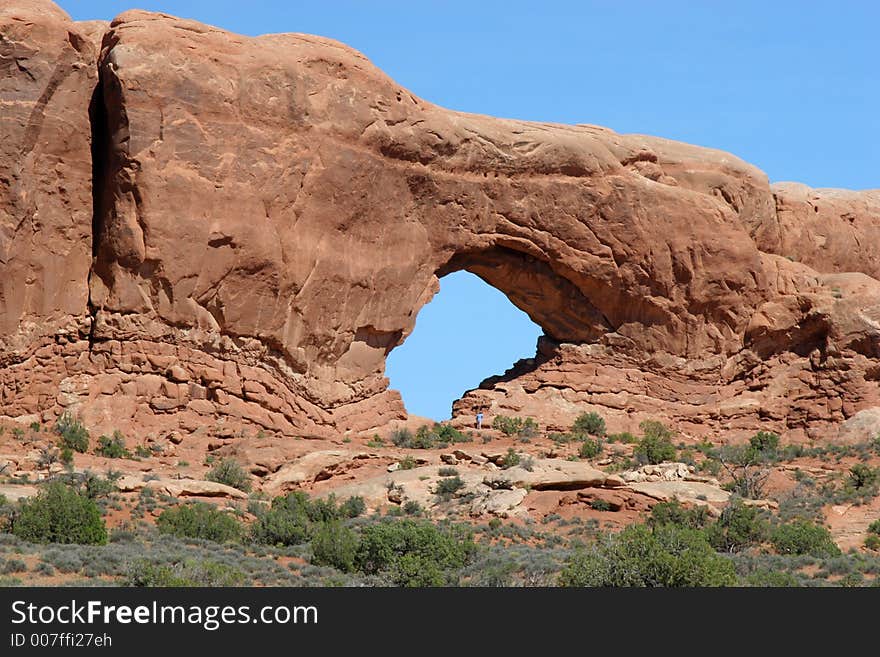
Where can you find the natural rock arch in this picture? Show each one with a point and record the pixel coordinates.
(270, 214)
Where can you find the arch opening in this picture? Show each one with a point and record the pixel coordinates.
(468, 332)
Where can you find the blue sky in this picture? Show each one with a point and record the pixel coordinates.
(792, 87)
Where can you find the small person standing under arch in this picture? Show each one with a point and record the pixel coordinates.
(479, 423)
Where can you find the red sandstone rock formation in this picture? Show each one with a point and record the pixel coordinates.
(270, 214)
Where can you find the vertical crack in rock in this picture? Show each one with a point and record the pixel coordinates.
(100, 150)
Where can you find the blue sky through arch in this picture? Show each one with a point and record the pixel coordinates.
(467, 332)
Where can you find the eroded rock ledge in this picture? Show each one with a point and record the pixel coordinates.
(197, 226)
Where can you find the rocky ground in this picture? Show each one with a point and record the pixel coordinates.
(483, 478)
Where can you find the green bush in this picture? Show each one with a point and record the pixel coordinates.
(656, 443)
(142, 452)
(199, 520)
(872, 542)
(426, 437)
(66, 455)
(59, 514)
(673, 513)
(112, 448)
(189, 573)
(285, 523)
(747, 469)
(230, 472)
(590, 449)
(73, 433)
(740, 526)
(353, 507)
(335, 545)
(414, 553)
(765, 442)
(402, 437)
(293, 519)
(772, 578)
(862, 476)
(511, 459)
(14, 566)
(638, 556)
(447, 472)
(515, 426)
(624, 437)
(448, 486)
(589, 424)
(874, 527)
(804, 537)
(407, 463)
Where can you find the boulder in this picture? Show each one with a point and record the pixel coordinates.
(498, 502)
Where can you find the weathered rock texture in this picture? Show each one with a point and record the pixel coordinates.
(271, 213)
(48, 74)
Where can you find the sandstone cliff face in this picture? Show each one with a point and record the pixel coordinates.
(271, 213)
(48, 74)
(47, 77)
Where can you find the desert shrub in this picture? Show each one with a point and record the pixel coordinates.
(59, 514)
(293, 519)
(95, 486)
(112, 448)
(740, 526)
(591, 448)
(511, 459)
(515, 426)
(447, 472)
(874, 527)
(353, 507)
(673, 513)
(143, 452)
(402, 437)
(862, 476)
(189, 573)
(335, 545)
(199, 520)
(638, 556)
(589, 424)
(414, 553)
(872, 542)
(772, 578)
(230, 472)
(600, 505)
(765, 442)
(65, 455)
(44, 568)
(747, 469)
(73, 433)
(655, 445)
(623, 437)
(446, 433)
(14, 566)
(426, 437)
(412, 508)
(407, 463)
(803, 537)
(448, 486)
